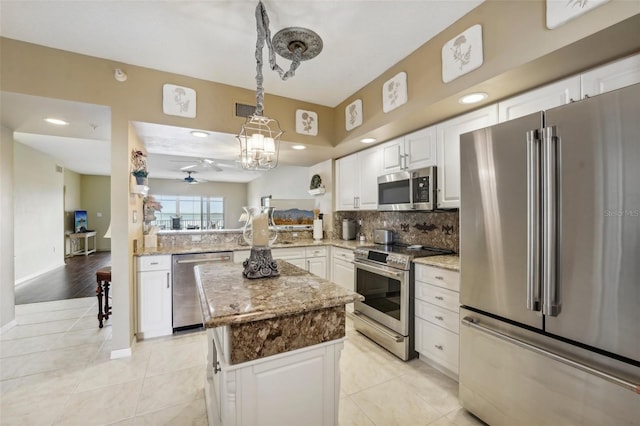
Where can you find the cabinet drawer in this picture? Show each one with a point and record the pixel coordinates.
(316, 251)
(288, 253)
(438, 277)
(438, 316)
(344, 254)
(438, 344)
(438, 296)
(154, 263)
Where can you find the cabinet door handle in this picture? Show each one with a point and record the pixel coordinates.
(439, 297)
(438, 317)
(153, 263)
(168, 278)
(439, 347)
(438, 277)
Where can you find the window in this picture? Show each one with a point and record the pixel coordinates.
(190, 212)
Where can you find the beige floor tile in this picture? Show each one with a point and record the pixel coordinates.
(41, 362)
(32, 330)
(193, 414)
(435, 388)
(169, 356)
(351, 415)
(462, 417)
(27, 345)
(442, 421)
(90, 322)
(33, 410)
(56, 305)
(172, 388)
(58, 382)
(392, 403)
(112, 372)
(101, 406)
(40, 317)
(82, 337)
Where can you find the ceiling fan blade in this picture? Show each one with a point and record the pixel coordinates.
(191, 166)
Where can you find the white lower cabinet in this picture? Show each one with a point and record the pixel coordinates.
(300, 387)
(437, 317)
(342, 270)
(153, 275)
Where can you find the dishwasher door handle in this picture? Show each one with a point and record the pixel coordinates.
(213, 259)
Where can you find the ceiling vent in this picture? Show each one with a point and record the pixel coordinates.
(243, 110)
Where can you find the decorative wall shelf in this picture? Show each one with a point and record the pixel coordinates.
(140, 190)
(317, 191)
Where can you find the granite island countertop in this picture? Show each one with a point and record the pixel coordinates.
(228, 298)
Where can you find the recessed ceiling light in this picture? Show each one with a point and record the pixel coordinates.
(56, 121)
(368, 140)
(199, 134)
(299, 147)
(473, 98)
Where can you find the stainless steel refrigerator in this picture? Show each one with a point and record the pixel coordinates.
(550, 265)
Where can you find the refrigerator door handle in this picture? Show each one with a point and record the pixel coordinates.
(551, 304)
(475, 323)
(533, 220)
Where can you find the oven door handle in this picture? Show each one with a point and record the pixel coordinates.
(389, 274)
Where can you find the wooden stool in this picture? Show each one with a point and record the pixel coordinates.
(103, 276)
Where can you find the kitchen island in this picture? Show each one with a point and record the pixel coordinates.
(274, 345)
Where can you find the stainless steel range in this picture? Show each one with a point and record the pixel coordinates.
(384, 275)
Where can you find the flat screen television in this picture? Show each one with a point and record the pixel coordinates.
(80, 221)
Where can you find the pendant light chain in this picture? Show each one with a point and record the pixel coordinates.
(264, 34)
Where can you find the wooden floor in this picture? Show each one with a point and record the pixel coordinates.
(76, 279)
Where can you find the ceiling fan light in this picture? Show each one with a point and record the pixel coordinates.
(199, 134)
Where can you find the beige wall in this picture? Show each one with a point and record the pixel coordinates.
(234, 194)
(7, 287)
(283, 182)
(96, 200)
(38, 209)
(520, 53)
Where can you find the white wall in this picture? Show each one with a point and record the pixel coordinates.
(283, 182)
(38, 209)
(7, 288)
(234, 194)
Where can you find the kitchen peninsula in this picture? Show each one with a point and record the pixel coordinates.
(274, 345)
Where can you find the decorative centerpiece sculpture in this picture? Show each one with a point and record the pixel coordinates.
(260, 232)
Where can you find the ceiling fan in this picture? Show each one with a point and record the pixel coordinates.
(205, 163)
(190, 179)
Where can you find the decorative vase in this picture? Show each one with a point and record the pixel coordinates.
(141, 180)
(260, 232)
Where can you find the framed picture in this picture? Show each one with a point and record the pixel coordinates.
(462, 53)
(180, 101)
(353, 115)
(394, 92)
(306, 122)
(561, 11)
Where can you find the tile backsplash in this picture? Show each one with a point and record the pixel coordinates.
(433, 229)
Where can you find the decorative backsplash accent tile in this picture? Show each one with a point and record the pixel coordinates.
(433, 229)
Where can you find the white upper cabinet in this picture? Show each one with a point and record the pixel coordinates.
(412, 151)
(611, 76)
(448, 152)
(357, 180)
(547, 97)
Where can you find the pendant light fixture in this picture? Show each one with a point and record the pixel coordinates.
(260, 135)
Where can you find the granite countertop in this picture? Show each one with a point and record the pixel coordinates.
(450, 261)
(199, 248)
(228, 298)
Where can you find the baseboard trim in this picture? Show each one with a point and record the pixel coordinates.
(124, 353)
(37, 274)
(8, 326)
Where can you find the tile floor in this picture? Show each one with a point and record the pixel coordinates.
(55, 370)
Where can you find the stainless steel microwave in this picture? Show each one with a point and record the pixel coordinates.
(408, 190)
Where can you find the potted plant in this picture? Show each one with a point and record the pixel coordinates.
(139, 166)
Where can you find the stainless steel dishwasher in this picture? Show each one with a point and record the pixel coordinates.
(186, 302)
